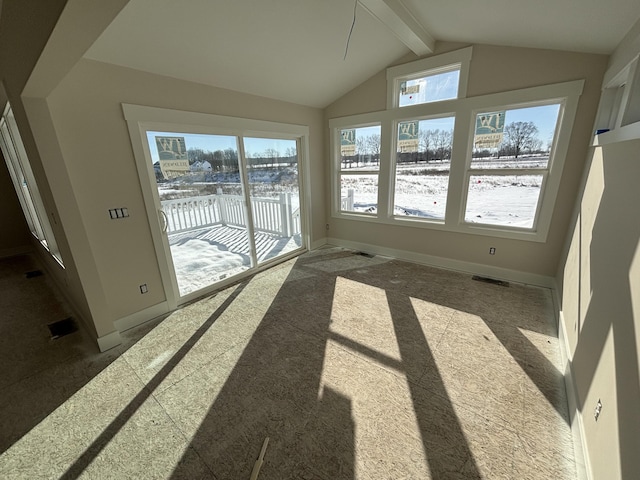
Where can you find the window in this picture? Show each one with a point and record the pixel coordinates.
(423, 161)
(510, 164)
(359, 166)
(24, 183)
(486, 165)
(432, 79)
(432, 87)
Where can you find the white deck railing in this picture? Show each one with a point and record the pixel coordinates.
(271, 215)
(346, 203)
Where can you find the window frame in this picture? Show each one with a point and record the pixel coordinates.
(393, 173)
(337, 168)
(464, 109)
(28, 194)
(447, 62)
(544, 172)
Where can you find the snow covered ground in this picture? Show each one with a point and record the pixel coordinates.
(421, 191)
(199, 264)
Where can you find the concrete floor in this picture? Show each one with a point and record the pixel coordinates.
(354, 367)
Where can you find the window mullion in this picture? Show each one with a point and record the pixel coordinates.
(456, 192)
(386, 164)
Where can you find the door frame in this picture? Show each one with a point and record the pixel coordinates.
(141, 119)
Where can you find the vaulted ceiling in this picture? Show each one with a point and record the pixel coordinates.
(294, 50)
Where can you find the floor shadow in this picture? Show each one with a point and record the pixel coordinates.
(445, 444)
(482, 300)
(274, 385)
(89, 455)
(272, 390)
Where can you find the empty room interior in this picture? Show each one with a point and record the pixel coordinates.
(326, 240)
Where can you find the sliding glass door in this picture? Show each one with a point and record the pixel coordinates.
(227, 203)
(274, 189)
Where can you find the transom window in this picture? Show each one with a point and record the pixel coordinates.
(432, 87)
(432, 79)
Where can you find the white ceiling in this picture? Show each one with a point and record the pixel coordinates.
(293, 50)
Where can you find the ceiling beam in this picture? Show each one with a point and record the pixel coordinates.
(402, 23)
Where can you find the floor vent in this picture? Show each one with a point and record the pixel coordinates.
(62, 327)
(490, 280)
(33, 273)
(364, 254)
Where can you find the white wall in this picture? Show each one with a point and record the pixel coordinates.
(493, 69)
(95, 151)
(599, 285)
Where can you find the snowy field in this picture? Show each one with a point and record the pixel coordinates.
(421, 191)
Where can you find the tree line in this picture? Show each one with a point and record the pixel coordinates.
(519, 138)
(227, 160)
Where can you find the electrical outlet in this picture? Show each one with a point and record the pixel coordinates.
(144, 288)
(598, 410)
(327, 226)
(492, 251)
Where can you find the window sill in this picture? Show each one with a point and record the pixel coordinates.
(621, 134)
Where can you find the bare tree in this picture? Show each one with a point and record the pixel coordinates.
(520, 137)
(425, 137)
(443, 141)
(361, 149)
(373, 146)
(273, 155)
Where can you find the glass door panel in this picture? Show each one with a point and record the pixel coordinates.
(274, 190)
(203, 208)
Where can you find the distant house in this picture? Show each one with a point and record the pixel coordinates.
(200, 166)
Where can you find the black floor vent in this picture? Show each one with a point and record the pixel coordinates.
(490, 280)
(364, 254)
(62, 327)
(33, 273)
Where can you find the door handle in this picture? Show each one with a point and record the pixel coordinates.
(165, 221)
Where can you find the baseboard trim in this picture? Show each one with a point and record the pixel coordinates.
(318, 243)
(125, 323)
(583, 466)
(449, 264)
(109, 341)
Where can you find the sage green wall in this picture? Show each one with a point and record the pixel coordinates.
(493, 69)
